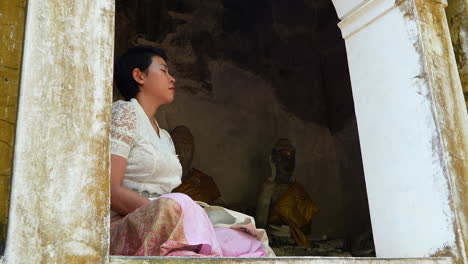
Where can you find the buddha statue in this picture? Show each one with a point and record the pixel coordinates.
(196, 184)
(282, 200)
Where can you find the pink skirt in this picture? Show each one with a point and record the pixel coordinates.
(174, 225)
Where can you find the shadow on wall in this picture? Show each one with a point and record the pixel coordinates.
(295, 46)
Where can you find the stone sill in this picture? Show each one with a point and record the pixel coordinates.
(288, 260)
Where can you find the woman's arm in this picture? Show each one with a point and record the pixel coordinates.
(123, 200)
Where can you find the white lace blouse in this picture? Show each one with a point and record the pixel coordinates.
(152, 164)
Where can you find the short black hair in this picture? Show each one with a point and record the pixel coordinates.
(137, 57)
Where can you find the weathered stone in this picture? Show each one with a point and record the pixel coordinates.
(59, 210)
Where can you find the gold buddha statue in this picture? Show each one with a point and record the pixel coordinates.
(282, 200)
(196, 184)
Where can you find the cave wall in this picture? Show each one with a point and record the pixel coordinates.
(249, 73)
(234, 134)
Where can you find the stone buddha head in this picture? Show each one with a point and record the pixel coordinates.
(283, 156)
(185, 147)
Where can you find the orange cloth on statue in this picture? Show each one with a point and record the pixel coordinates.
(296, 209)
(199, 186)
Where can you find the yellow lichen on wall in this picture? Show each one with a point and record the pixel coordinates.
(12, 19)
(450, 111)
(457, 17)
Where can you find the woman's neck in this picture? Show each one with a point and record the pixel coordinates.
(148, 106)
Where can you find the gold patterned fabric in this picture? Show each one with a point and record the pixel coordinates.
(155, 229)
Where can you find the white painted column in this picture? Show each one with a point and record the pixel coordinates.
(59, 209)
(412, 125)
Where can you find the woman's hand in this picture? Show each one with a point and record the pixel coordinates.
(123, 200)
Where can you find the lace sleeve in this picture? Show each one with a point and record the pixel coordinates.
(123, 128)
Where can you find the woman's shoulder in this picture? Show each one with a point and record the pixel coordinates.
(123, 110)
(166, 136)
(123, 106)
(164, 133)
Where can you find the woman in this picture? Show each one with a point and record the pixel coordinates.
(147, 219)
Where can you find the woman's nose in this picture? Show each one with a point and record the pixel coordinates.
(172, 79)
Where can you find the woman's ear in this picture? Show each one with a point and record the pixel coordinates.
(138, 76)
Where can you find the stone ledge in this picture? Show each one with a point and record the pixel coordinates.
(288, 260)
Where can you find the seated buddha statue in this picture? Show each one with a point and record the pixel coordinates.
(282, 200)
(196, 184)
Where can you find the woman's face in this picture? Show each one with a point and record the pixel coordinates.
(157, 82)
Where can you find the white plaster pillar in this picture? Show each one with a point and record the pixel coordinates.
(412, 125)
(59, 210)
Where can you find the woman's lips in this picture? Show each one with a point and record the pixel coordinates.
(172, 88)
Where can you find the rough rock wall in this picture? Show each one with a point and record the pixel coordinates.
(235, 132)
(355, 205)
(288, 44)
(247, 74)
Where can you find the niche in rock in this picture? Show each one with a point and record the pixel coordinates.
(248, 74)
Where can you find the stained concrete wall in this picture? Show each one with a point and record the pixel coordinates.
(59, 210)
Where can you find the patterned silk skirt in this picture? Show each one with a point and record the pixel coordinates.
(174, 225)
